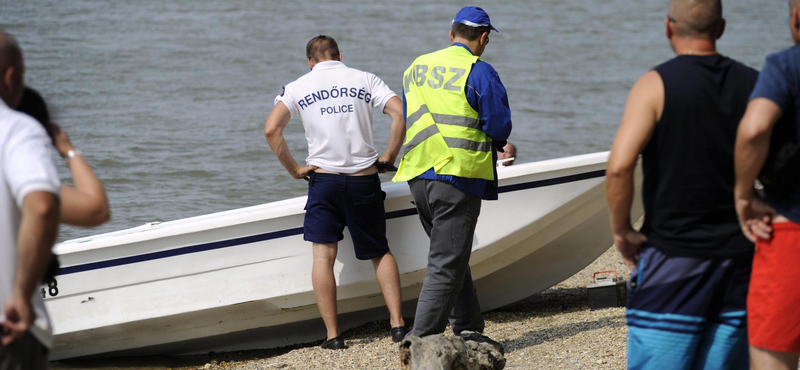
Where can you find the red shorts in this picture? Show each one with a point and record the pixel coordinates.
(773, 302)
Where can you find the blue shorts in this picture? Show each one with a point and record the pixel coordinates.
(687, 312)
(336, 201)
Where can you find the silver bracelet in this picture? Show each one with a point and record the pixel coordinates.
(73, 152)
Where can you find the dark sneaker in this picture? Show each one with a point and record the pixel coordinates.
(398, 333)
(334, 343)
(469, 335)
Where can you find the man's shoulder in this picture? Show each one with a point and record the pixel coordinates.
(14, 123)
(296, 81)
(744, 71)
(785, 55)
(787, 60)
(484, 67)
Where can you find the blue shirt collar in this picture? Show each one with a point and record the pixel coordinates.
(463, 46)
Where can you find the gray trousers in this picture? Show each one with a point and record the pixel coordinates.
(449, 216)
(25, 353)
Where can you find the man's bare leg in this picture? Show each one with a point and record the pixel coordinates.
(325, 285)
(389, 280)
(763, 359)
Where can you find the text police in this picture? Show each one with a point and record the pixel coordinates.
(333, 93)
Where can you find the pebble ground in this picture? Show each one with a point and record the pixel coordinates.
(554, 329)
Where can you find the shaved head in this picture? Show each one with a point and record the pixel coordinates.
(794, 3)
(697, 18)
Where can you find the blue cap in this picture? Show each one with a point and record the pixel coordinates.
(473, 16)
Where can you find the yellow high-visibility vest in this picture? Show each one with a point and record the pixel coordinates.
(443, 132)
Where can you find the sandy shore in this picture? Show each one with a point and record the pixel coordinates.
(552, 330)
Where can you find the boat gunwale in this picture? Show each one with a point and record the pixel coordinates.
(289, 207)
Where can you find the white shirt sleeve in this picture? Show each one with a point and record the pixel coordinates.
(381, 93)
(28, 161)
(285, 96)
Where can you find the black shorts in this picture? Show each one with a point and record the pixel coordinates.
(336, 201)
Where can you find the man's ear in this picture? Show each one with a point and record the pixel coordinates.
(7, 75)
(668, 28)
(483, 38)
(721, 28)
(795, 20)
(340, 56)
(451, 36)
(310, 63)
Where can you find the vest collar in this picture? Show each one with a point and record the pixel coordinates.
(463, 46)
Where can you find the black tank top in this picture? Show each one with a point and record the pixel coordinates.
(688, 164)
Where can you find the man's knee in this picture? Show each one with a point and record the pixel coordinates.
(761, 358)
(325, 252)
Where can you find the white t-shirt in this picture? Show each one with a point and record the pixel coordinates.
(335, 104)
(26, 166)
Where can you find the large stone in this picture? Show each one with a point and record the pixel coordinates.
(438, 352)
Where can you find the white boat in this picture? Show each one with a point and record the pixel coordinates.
(242, 279)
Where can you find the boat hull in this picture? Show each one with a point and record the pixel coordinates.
(241, 279)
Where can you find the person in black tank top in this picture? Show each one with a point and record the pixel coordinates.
(690, 263)
(688, 162)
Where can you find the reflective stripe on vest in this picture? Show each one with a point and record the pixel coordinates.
(443, 131)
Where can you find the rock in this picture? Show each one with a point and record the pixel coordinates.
(207, 366)
(438, 352)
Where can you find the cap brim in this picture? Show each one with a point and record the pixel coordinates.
(495, 29)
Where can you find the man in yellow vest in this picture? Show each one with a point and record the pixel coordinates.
(457, 117)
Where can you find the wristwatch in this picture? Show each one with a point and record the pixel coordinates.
(73, 152)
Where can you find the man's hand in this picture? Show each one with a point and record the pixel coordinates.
(755, 217)
(19, 317)
(303, 172)
(61, 140)
(500, 145)
(629, 242)
(385, 158)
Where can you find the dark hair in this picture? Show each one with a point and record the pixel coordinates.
(34, 105)
(322, 48)
(467, 32)
(10, 52)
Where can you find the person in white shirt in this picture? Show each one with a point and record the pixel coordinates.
(335, 104)
(29, 213)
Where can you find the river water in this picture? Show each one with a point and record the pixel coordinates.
(168, 99)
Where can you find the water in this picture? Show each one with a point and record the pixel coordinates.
(167, 100)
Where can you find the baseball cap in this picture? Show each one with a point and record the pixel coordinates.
(473, 16)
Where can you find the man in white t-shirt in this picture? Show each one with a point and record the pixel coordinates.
(29, 211)
(335, 104)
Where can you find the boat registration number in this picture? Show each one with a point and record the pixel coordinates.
(50, 289)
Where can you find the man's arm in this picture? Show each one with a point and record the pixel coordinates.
(752, 147)
(37, 233)
(273, 131)
(642, 112)
(487, 95)
(85, 204)
(397, 132)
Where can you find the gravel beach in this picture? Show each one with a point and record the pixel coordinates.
(554, 329)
